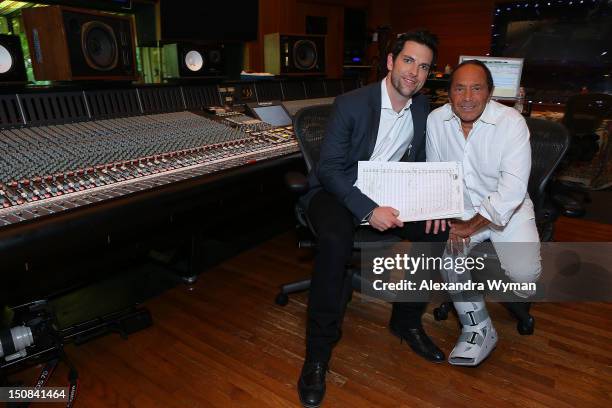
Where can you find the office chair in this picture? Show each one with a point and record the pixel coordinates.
(309, 126)
(584, 114)
(549, 144)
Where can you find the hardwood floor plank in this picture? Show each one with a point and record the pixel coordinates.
(224, 343)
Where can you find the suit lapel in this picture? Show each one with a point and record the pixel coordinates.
(375, 107)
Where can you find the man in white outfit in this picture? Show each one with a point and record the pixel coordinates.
(492, 143)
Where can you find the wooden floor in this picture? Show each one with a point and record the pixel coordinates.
(225, 343)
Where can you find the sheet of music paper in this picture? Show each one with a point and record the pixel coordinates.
(419, 191)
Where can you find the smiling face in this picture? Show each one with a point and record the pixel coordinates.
(469, 93)
(410, 68)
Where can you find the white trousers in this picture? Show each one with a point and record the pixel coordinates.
(517, 246)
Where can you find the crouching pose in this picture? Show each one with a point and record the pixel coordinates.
(492, 143)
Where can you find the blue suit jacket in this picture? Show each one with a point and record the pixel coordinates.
(350, 137)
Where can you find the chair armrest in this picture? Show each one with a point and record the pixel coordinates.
(546, 215)
(547, 212)
(297, 182)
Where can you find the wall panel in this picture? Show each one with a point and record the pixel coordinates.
(463, 26)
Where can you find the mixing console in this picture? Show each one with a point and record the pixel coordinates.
(49, 169)
(245, 123)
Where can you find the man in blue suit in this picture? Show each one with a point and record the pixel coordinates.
(384, 121)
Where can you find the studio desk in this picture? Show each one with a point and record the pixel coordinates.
(71, 187)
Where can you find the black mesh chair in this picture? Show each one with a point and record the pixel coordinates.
(309, 125)
(584, 114)
(549, 144)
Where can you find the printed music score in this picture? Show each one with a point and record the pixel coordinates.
(419, 191)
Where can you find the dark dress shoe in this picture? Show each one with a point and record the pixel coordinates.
(520, 310)
(420, 343)
(311, 385)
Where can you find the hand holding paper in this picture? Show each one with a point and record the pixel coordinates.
(419, 191)
(384, 218)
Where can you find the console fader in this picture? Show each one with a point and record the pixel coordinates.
(49, 169)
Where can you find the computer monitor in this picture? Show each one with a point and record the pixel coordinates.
(273, 113)
(506, 74)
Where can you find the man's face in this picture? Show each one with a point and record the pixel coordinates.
(469, 93)
(410, 68)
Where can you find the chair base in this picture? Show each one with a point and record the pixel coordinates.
(282, 298)
(570, 206)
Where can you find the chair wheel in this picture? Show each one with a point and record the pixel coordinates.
(282, 299)
(440, 313)
(526, 327)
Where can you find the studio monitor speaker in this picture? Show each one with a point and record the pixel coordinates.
(183, 60)
(288, 54)
(12, 66)
(75, 44)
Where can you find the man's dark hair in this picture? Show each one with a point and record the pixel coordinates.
(423, 37)
(477, 63)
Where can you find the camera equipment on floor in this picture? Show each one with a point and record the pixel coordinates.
(30, 335)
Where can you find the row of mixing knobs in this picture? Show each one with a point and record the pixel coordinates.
(18, 192)
(273, 135)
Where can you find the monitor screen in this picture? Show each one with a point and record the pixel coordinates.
(274, 115)
(506, 74)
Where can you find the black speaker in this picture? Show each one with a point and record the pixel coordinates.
(355, 36)
(12, 66)
(184, 60)
(288, 54)
(99, 44)
(68, 44)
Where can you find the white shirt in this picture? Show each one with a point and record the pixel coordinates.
(496, 159)
(395, 130)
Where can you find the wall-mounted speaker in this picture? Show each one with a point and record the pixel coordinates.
(75, 44)
(183, 60)
(355, 36)
(12, 66)
(288, 54)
